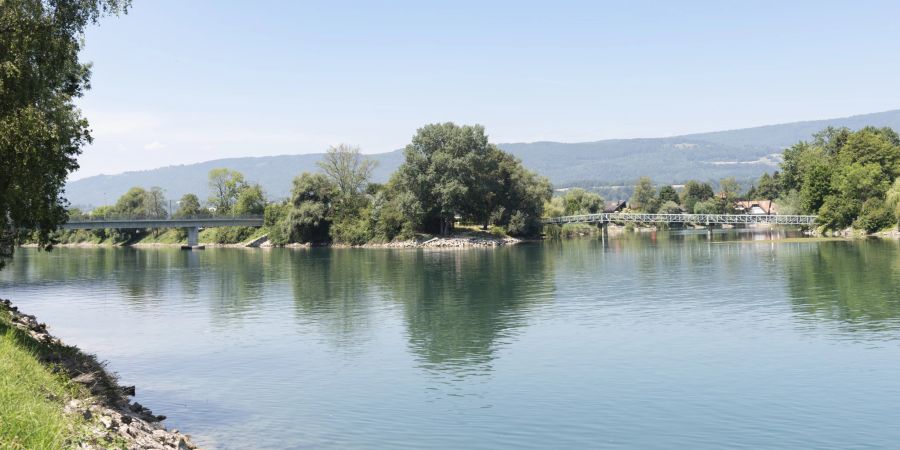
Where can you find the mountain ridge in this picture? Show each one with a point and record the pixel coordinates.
(743, 153)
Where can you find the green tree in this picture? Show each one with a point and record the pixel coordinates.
(347, 168)
(644, 197)
(311, 200)
(42, 131)
(579, 201)
(815, 181)
(708, 206)
(225, 186)
(250, 201)
(155, 203)
(731, 192)
(892, 200)
(189, 206)
(874, 216)
(132, 204)
(669, 207)
(694, 192)
(452, 171)
(767, 187)
(667, 193)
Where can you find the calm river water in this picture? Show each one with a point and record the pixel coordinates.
(644, 341)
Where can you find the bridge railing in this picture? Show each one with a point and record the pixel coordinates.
(132, 217)
(703, 219)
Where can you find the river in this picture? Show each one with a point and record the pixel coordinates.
(652, 340)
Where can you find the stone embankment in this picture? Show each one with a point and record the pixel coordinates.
(112, 419)
(462, 240)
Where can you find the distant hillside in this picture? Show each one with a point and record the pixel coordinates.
(744, 153)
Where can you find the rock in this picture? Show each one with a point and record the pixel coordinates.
(136, 407)
(106, 421)
(128, 390)
(86, 378)
(87, 414)
(126, 419)
(160, 417)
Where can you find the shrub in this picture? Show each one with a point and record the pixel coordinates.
(353, 230)
(232, 235)
(874, 216)
(552, 231)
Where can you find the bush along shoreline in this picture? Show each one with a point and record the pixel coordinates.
(53, 395)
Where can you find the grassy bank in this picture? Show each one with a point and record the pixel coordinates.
(33, 396)
(170, 236)
(53, 396)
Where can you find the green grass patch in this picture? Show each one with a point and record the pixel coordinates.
(32, 396)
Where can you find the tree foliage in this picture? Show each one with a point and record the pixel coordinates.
(666, 194)
(644, 197)
(189, 206)
(225, 186)
(695, 192)
(453, 171)
(843, 176)
(347, 168)
(311, 200)
(41, 129)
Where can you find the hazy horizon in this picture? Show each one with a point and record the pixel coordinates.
(183, 83)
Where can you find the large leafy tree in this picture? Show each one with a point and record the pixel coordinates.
(225, 186)
(844, 176)
(41, 130)
(644, 197)
(311, 202)
(347, 168)
(695, 192)
(189, 206)
(453, 171)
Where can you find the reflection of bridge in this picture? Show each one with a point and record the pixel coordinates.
(192, 224)
(700, 219)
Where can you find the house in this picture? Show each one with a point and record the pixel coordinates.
(755, 207)
(613, 206)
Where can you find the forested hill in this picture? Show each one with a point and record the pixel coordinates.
(744, 153)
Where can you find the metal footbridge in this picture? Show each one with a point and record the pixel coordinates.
(191, 224)
(699, 219)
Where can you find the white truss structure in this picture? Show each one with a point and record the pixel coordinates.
(700, 219)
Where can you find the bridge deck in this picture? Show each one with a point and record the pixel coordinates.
(704, 219)
(207, 222)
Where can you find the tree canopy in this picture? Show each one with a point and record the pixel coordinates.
(846, 177)
(42, 131)
(453, 171)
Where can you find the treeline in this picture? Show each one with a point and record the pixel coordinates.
(695, 198)
(847, 178)
(451, 175)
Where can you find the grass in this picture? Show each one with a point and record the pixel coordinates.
(32, 396)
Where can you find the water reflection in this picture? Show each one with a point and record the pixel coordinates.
(636, 338)
(459, 305)
(854, 283)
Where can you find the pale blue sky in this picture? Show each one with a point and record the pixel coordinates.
(186, 81)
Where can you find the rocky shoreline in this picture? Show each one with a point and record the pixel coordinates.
(112, 418)
(460, 240)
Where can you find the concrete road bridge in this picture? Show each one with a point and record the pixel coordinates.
(191, 224)
(699, 219)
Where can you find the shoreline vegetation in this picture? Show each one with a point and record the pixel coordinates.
(459, 189)
(54, 395)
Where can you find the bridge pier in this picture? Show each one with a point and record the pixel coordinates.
(193, 239)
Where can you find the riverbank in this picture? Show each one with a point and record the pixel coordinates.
(466, 239)
(53, 395)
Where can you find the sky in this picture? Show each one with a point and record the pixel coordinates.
(177, 82)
